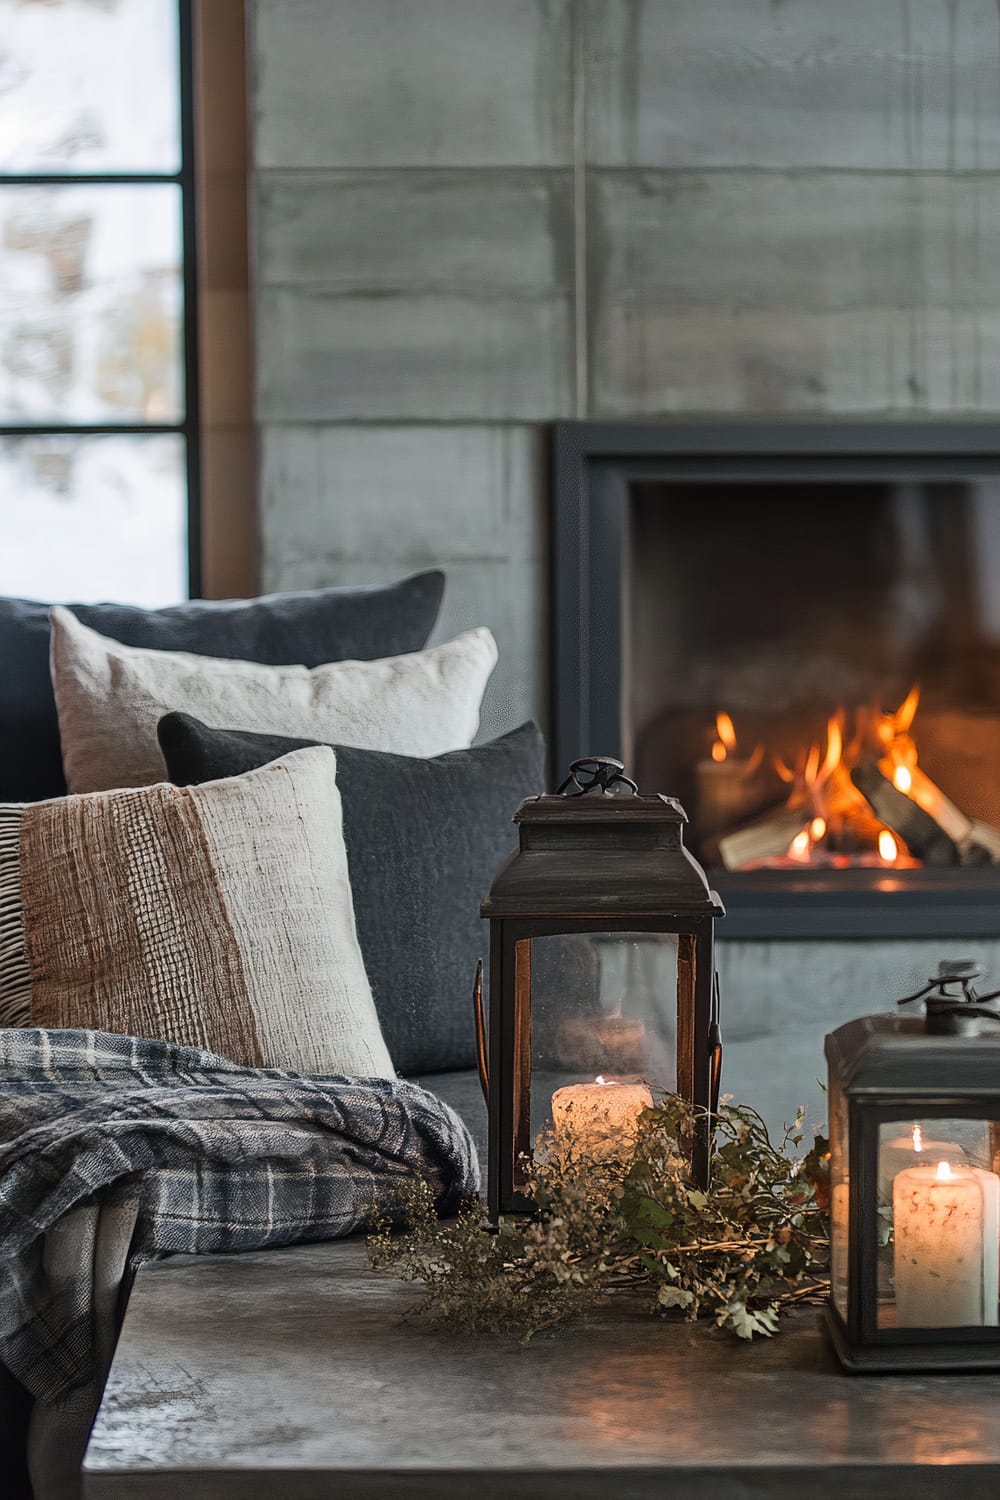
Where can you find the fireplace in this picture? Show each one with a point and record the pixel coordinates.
(795, 629)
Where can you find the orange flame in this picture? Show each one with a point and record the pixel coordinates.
(888, 849)
(896, 725)
(907, 710)
(799, 847)
(834, 747)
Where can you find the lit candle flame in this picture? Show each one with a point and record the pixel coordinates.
(944, 1172)
(726, 742)
(918, 1138)
(887, 847)
(800, 844)
(817, 829)
(902, 778)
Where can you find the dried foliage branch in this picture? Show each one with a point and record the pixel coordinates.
(755, 1243)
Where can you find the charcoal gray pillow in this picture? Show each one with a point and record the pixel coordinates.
(323, 625)
(424, 841)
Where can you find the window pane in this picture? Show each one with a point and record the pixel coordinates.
(89, 86)
(91, 300)
(92, 518)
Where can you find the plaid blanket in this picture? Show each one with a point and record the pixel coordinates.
(210, 1155)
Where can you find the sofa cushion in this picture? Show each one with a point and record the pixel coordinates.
(323, 625)
(216, 916)
(110, 697)
(424, 841)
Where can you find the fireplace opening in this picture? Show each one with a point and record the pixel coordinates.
(815, 668)
(795, 629)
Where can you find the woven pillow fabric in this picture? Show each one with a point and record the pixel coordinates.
(311, 627)
(217, 916)
(424, 841)
(110, 698)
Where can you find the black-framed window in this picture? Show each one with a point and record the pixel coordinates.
(99, 452)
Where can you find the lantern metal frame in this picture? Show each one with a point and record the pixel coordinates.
(595, 865)
(889, 1069)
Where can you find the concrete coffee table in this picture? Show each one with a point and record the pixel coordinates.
(290, 1376)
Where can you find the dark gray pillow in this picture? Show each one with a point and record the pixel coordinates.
(344, 624)
(424, 841)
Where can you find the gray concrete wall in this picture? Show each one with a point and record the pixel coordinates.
(474, 216)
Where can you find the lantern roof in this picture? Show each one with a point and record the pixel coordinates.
(893, 1054)
(595, 853)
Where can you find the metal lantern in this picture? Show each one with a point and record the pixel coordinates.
(915, 1182)
(602, 974)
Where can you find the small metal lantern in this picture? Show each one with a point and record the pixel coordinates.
(915, 1182)
(602, 969)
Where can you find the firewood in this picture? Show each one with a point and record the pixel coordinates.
(928, 795)
(766, 838)
(925, 839)
(983, 836)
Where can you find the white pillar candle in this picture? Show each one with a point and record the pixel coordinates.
(598, 1121)
(912, 1150)
(946, 1223)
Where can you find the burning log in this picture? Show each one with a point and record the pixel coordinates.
(983, 836)
(765, 839)
(912, 781)
(923, 836)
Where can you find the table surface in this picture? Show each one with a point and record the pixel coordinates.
(291, 1375)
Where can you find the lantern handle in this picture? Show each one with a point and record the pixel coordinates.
(599, 773)
(940, 983)
(919, 994)
(482, 1061)
(715, 1049)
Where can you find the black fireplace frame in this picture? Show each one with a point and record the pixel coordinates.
(593, 466)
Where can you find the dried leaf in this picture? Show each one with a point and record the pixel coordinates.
(674, 1296)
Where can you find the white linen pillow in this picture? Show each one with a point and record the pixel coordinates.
(215, 916)
(111, 697)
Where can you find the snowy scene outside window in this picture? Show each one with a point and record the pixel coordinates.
(93, 427)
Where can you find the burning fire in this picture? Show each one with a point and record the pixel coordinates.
(840, 825)
(843, 828)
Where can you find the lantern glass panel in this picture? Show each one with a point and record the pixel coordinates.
(603, 1006)
(938, 1223)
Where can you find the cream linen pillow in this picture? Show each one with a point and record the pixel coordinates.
(110, 699)
(215, 916)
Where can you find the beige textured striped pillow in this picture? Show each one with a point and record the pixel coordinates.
(216, 916)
